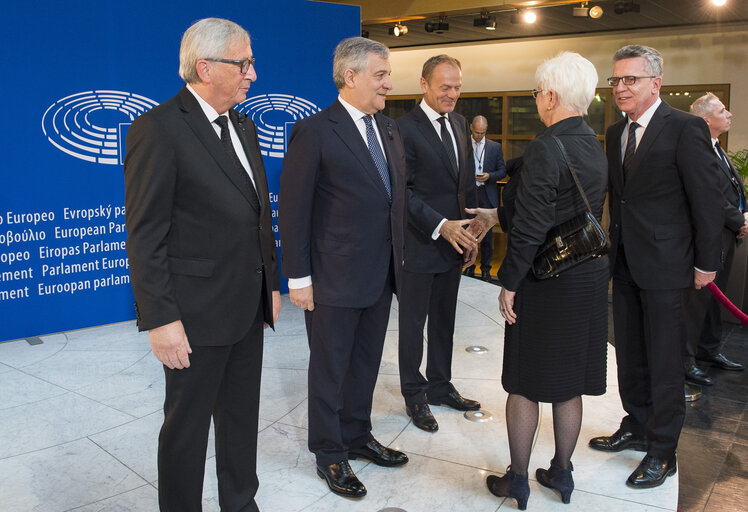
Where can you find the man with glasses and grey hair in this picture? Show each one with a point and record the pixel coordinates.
(666, 217)
(203, 265)
(342, 216)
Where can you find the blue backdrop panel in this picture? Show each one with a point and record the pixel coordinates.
(82, 71)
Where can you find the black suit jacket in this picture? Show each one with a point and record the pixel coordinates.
(493, 164)
(198, 251)
(544, 194)
(336, 221)
(733, 193)
(434, 192)
(668, 214)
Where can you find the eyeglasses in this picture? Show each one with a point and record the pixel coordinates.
(535, 93)
(627, 80)
(243, 63)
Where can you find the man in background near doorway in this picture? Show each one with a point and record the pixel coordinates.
(705, 320)
(441, 184)
(489, 168)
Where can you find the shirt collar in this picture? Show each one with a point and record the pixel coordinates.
(646, 117)
(209, 111)
(432, 114)
(355, 113)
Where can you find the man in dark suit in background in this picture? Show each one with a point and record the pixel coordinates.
(705, 320)
(665, 209)
(342, 216)
(489, 168)
(441, 184)
(203, 265)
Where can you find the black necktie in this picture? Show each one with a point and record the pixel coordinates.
(223, 122)
(448, 143)
(377, 155)
(630, 147)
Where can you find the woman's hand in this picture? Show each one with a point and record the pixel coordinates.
(506, 306)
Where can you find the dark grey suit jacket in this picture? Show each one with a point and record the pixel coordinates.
(199, 252)
(434, 192)
(668, 213)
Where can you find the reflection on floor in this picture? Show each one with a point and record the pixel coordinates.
(80, 413)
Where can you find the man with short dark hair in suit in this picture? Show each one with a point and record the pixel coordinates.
(705, 321)
(441, 184)
(665, 222)
(489, 168)
(342, 216)
(203, 265)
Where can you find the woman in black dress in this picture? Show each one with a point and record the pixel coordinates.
(556, 329)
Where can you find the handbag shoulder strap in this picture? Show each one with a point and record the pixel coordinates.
(571, 170)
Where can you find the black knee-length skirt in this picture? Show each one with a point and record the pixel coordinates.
(557, 349)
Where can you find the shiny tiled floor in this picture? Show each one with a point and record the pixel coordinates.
(80, 413)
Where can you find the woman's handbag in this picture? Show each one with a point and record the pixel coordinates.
(573, 241)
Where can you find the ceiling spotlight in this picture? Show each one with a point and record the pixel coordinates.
(529, 16)
(439, 27)
(398, 30)
(622, 6)
(580, 12)
(719, 3)
(583, 11)
(486, 21)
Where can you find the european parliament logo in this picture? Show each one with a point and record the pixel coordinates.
(274, 115)
(92, 125)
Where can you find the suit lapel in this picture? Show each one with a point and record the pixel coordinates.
(655, 126)
(429, 133)
(461, 142)
(200, 125)
(257, 168)
(347, 130)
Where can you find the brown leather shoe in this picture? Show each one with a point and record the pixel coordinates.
(342, 480)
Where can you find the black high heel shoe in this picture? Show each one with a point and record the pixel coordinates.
(510, 485)
(557, 478)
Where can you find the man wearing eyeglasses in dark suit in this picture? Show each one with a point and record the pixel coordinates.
(203, 265)
(666, 217)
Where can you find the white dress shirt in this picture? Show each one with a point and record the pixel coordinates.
(479, 152)
(212, 115)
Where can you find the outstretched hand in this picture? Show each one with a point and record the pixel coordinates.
(455, 233)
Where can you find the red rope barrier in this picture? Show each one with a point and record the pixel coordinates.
(732, 308)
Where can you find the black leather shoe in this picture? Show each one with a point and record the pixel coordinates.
(697, 375)
(422, 417)
(454, 400)
(486, 276)
(620, 440)
(470, 271)
(341, 480)
(652, 471)
(721, 362)
(378, 454)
